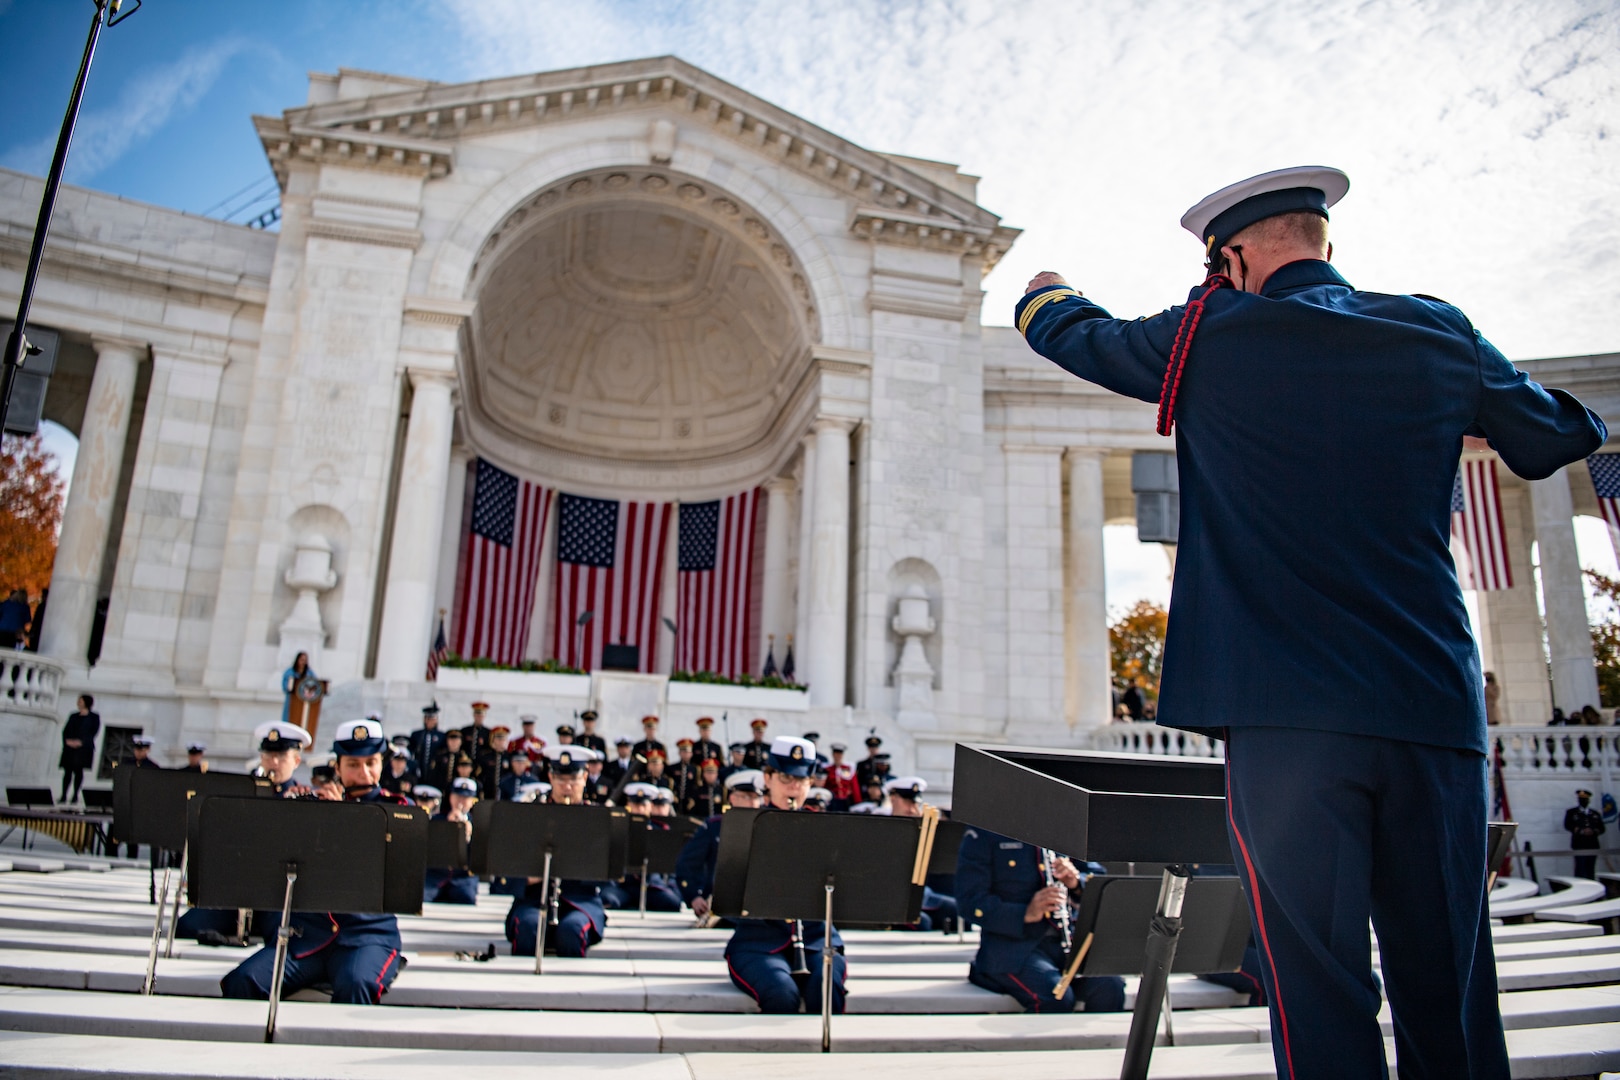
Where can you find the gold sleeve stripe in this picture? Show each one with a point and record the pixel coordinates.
(1040, 302)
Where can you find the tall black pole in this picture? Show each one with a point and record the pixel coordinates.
(14, 344)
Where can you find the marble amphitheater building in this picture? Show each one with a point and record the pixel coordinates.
(634, 287)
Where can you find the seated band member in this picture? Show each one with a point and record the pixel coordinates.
(581, 919)
(518, 772)
(761, 953)
(694, 870)
(427, 797)
(1003, 883)
(533, 791)
(357, 954)
(662, 895)
(818, 799)
(442, 885)
(905, 800)
(281, 751)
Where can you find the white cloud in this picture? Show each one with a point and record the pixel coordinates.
(1480, 137)
(129, 113)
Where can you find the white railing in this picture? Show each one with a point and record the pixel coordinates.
(1558, 751)
(28, 683)
(1149, 738)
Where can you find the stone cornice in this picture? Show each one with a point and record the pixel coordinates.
(888, 226)
(418, 121)
(411, 239)
(373, 146)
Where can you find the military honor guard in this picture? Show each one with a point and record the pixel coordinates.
(427, 740)
(281, 751)
(864, 770)
(757, 751)
(1345, 805)
(694, 869)
(475, 736)
(652, 770)
(1584, 826)
(615, 771)
(581, 919)
(841, 780)
(649, 739)
(762, 955)
(705, 748)
(527, 741)
(588, 737)
(443, 885)
(683, 771)
(704, 799)
(195, 762)
(357, 955)
(441, 769)
(490, 764)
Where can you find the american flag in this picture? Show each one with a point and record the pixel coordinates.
(1605, 470)
(440, 650)
(715, 604)
(1476, 523)
(610, 562)
(500, 561)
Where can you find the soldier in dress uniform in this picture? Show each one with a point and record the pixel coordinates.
(819, 799)
(519, 771)
(705, 748)
(588, 737)
(597, 790)
(616, 770)
(841, 781)
(427, 740)
(703, 800)
(443, 885)
(281, 751)
(358, 955)
(490, 764)
(195, 762)
(1344, 804)
(565, 734)
(760, 954)
(475, 736)
(682, 772)
(758, 751)
(1003, 883)
(581, 920)
(528, 742)
(399, 775)
(649, 741)
(694, 869)
(652, 770)
(865, 769)
(441, 770)
(1584, 826)
(736, 752)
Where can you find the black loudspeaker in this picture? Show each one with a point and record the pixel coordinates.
(621, 657)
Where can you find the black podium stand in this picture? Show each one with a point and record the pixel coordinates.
(853, 869)
(551, 842)
(655, 851)
(308, 855)
(149, 807)
(1109, 808)
(446, 845)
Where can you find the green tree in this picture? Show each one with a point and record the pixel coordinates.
(1136, 645)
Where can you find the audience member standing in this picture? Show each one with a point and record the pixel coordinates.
(78, 747)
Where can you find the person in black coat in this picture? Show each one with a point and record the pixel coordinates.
(78, 747)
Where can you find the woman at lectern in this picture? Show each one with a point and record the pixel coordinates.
(297, 673)
(359, 955)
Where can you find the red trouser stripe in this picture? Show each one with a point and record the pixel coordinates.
(1035, 999)
(381, 975)
(1259, 915)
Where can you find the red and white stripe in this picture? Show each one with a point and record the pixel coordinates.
(495, 589)
(1480, 529)
(623, 596)
(715, 612)
(1611, 512)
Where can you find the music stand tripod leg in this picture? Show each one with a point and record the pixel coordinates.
(162, 899)
(179, 891)
(545, 912)
(643, 888)
(1163, 933)
(283, 936)
(827, 974)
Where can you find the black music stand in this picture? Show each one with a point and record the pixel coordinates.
(29, 798)
(446, 845)
(1498, 843)
(655, 851)
(947, 842)
(362, 858)
(550, 841)
(854, 869)
(1108, 808)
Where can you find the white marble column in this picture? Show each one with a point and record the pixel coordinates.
(455, 498)
(829, 566)
(413, 557)
(775, 619)
(1569, 636)
(87, 516)
(1086, 694)
(801, 596)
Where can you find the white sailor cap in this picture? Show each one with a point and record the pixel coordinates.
(1306, 188)
(568, 758)
(908, 787)
(640, 792)
(532, 791)
(663, 794)
(277, 735)
(863, 808)
(359, 738)
(144, 741)
(197, 748)
(792, 756)
(746, 780)
(426, 791)
(819, 795)
(464, 785)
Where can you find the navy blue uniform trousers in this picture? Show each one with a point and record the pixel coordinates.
(1032, 984)
(1330, 830)
(768, 979)
(572, 935)
(358, 975)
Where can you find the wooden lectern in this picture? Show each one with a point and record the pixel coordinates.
(304, 703)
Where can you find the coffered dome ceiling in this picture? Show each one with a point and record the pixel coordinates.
(636, 317)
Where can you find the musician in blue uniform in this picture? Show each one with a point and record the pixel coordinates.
(1003, 883)
(358, 955)
(761, 954)
(1318, 430)
(939, 910)
(662, 895)
(441, 884)
(580, 918)
(694, 869)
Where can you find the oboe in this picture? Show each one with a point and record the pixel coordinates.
(1061, 915)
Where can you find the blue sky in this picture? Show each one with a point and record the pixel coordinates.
(1482, 137)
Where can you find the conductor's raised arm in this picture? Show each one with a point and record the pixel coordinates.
(1127, 357)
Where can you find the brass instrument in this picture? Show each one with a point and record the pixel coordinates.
(1061, 915)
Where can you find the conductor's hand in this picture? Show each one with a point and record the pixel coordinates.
(1045, 902)
(1044, 279)
(700, 907)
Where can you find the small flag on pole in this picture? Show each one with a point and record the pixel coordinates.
(440, 650)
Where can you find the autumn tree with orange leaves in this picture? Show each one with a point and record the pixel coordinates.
(1136, 646)
(30, 513)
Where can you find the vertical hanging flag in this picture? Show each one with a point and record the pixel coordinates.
(716, 585)
(500, 560)
(440, 650)
(610, 564)
(1605, 470)
(1476, 522)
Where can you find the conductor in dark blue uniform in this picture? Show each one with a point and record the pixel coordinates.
(581, 920)
(1002, 882)
(358, 955)
(1318, 430)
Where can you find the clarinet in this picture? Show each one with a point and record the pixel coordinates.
(555, 907)
(800, 972)
(1061, 915)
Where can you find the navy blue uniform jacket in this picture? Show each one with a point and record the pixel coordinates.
(316, 930)
(995, 878)
(1318, 431)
